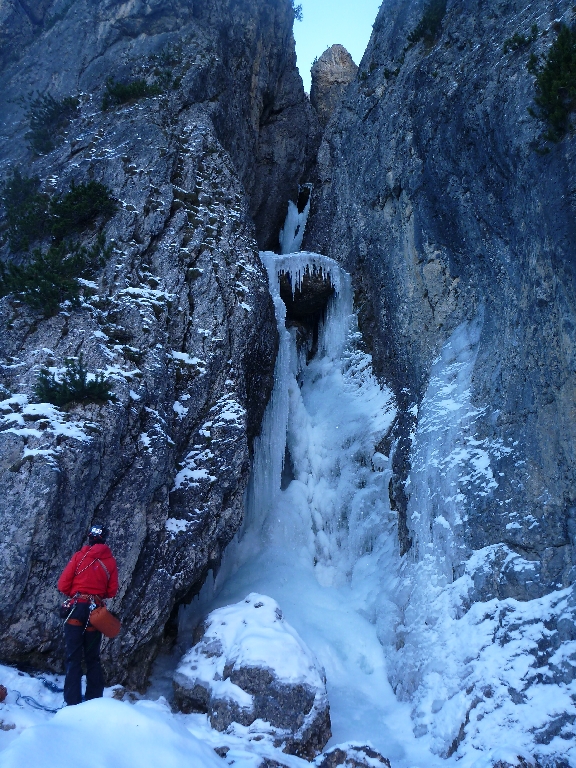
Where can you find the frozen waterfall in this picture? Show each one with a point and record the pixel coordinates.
(292, 233)
(324, 544)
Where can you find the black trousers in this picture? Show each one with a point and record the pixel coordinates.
(80, 643)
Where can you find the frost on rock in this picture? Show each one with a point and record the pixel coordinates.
(481, 655)
(37, 424)
(250, 670)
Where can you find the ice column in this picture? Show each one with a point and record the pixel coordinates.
(292, 233)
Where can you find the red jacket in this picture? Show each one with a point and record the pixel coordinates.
(85, 574)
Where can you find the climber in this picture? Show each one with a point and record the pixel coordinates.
(90, 577)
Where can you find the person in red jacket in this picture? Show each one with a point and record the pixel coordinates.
(90, 577)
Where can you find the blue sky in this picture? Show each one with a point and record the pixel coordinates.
(348, 22)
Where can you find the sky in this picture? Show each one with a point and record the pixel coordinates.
(348, 22)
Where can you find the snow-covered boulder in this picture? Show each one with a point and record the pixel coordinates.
(352, 756)
(251, 668)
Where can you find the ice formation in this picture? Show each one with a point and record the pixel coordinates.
(325, 547)
(469, 684)
(292, 233)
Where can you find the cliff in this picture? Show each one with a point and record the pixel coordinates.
(432, 194)
(198, 130)
(440, 193)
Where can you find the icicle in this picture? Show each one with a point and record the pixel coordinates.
(295, 265)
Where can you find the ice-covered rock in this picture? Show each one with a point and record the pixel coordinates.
(251, 668)
(352, 756)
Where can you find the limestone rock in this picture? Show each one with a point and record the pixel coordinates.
(332, 73)
(251, 666)
(458, 234)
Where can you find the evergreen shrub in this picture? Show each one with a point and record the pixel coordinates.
(79, 208)
(52, 277)
(518, 41)
(75, 386)
(430, 25)
(118, 93)
(32, 215)
(26, 210)
(49, 118)
(556, 84)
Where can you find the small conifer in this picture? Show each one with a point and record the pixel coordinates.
(75, 386)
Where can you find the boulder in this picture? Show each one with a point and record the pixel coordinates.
(519, 762)
(250, 665)
(352, 756)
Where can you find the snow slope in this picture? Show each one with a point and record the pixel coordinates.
(105, 732)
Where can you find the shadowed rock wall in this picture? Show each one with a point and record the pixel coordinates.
(431, 192)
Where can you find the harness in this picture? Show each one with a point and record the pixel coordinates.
(94, 599)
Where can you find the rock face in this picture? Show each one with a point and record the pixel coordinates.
(251, 666)
(432, 194)
(459, 235)
(244, 74)
(179, 318)
(332, 73)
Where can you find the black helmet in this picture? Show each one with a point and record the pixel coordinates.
(98, 534)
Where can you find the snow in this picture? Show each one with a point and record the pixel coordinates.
(179, 409)
(189, 475)
(174, 525)
(228, 409)
(185, 358)
(19, 417)
(104, 733)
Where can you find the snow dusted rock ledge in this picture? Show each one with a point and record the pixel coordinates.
(352, 756)
(251, 669)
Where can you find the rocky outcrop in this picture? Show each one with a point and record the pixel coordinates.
(179, 319)
(251, 668)
(244, 74)
(332, 73)
(345, 756)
